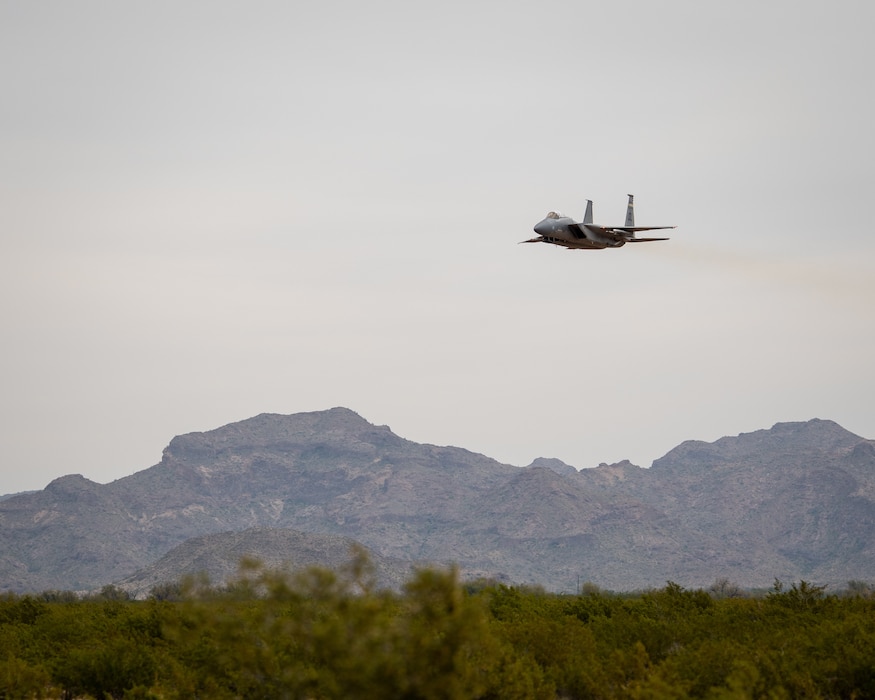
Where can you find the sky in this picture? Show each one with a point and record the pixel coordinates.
(211, 210)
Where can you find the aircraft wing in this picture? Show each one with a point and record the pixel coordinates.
(623, 233)
(629, 232)
(633, 229)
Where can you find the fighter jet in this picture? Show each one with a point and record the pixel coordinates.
(559, 229)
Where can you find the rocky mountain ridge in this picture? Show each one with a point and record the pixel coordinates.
(795, 501)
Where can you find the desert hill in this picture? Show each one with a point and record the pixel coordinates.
(796, 501)
(219, 556)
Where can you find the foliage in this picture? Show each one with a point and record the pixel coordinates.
(321, 634)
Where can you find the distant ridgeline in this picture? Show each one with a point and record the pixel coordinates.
(795, 502)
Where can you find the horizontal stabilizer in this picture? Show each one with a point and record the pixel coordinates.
(633, 229)
(644, 240)
(621, 231)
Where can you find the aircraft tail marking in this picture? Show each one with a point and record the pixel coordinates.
(587, 218)
(630, 212)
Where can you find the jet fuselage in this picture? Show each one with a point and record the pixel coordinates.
(562, 230)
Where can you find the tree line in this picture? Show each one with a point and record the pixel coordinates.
(324, 634)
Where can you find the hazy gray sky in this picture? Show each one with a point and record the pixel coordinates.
(210, 210)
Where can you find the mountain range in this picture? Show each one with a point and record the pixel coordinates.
(796, 501)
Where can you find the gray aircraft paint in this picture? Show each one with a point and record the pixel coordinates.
(561, 230)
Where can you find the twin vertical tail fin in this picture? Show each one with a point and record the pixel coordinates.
(630, 212)
(587, 217)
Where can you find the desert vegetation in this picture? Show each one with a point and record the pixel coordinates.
(321, 634)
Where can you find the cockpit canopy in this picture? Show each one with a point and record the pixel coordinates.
(555, 215)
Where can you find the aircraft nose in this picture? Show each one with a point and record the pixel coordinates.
(541, 227)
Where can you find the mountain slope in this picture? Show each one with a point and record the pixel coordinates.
(219, 556)
(797, 497)
(795, 501)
